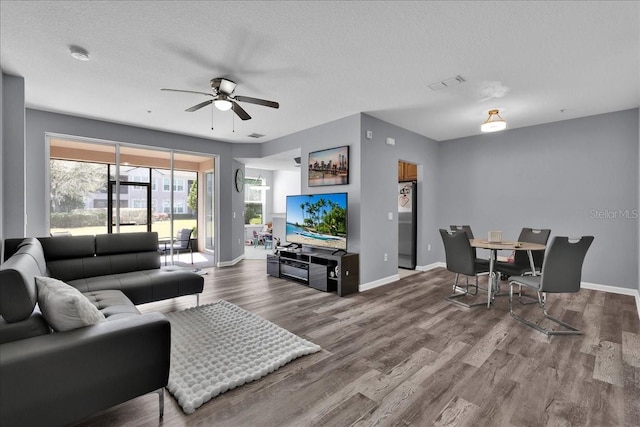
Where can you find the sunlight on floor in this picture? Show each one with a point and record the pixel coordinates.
(258, 252)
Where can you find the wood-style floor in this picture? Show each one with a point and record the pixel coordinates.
(401, 355)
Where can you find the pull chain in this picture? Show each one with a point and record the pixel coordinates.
(211, 116)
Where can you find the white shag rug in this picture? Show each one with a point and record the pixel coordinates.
(218, 347)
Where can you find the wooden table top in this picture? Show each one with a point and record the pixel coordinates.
(507, 245)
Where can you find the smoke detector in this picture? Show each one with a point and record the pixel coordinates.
(79, 53)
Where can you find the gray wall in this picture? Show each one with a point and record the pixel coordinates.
(379, 194)
(40, 122)
(1, 168)
(13, 157)
(345, 131)
(562, 176)
(372, 188)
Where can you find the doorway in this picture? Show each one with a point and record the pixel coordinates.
(407, 216)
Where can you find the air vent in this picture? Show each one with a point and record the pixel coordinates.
(447, 83)
(256, 135)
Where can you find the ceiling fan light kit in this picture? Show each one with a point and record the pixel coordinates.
(222, 93)
(493, 123)
(223, 104)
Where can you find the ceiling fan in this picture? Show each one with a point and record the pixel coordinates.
(224, 100)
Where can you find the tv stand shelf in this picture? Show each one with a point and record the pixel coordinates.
(325, 271)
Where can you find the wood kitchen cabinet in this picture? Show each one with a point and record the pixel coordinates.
(407, 171)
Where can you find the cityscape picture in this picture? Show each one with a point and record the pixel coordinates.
(329, 167)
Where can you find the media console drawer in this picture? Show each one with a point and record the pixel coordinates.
(296, 271)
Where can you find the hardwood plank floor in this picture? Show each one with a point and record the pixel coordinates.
(401, 355)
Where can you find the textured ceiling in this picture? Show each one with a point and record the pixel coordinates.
(538, 62)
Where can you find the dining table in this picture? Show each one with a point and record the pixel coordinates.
(493, 248)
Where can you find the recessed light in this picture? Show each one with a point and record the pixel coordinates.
(79, 53)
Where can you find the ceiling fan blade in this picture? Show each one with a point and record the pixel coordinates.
(240, 111)
(199, 106)
(250, 100)
(188, 91)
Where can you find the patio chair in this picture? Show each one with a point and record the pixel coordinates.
(181, 243)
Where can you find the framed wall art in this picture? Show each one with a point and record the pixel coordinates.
(329, 167)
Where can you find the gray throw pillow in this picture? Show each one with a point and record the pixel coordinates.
(64, 307)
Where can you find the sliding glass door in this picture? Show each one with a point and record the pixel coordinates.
(101, 188)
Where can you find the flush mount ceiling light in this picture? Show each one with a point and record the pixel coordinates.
(79, 53)
(493, 123)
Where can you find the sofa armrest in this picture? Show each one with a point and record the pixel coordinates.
(62, 377)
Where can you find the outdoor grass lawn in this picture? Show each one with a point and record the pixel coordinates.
(162, 227)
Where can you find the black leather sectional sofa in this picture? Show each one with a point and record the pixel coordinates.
(56, 378)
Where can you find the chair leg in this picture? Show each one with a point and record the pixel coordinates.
(571, 330)
(191, 250)
(521, 295)
(454, 295)
(197, 300)
(160, 392)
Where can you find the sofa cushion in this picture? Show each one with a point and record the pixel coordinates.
(64, 307)
(124, 243)
(36, 252)
(32, 326)
(18, 293)
(113, 304)
(146, 285)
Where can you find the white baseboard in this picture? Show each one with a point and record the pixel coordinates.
(230, 263)
(586, 285)
(431, 266)
(379, 282)
(614, 290)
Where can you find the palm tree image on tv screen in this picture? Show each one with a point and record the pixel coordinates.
(317, 220)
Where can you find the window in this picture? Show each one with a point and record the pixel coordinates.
(166, 206)
(139, 203)
(166, 184)
(139, 179)
(153, 185)
(178, 184)
(254, 201)
(178, 207)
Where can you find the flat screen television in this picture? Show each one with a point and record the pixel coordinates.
(318, 220)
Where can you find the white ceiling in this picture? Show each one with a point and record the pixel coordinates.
(538, 62)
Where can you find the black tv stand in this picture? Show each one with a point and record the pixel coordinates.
(322, 270)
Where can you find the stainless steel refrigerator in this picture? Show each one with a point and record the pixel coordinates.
(407, 224)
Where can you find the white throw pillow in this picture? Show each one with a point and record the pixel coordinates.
(64, 307)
